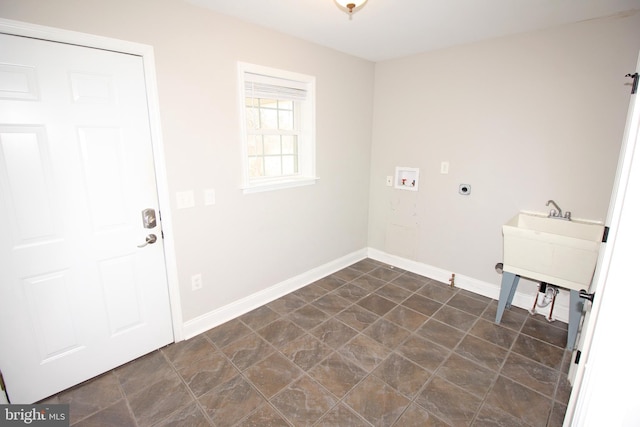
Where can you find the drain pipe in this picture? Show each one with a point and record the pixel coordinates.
(550, 292)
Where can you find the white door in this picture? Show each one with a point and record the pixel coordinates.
(78, 294)
(606, 380)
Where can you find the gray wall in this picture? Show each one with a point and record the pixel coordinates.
(244, 243)
(522, 119)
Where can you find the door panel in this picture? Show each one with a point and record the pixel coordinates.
(48, 298)
(18, 82)
(101, 153)
(122, 294)
(79, 295)
(25, 186)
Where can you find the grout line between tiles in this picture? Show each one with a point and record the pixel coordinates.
(379, 276)
(191, 393)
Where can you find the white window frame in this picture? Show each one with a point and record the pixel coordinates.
(306, 174)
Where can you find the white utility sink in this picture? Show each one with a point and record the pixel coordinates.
(552, 250)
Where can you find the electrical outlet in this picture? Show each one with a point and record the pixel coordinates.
(444, 167)
(389, 181)
(196, 282)
(464, 189)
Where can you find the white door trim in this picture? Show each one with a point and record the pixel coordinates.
(582, 402)
(146, 53)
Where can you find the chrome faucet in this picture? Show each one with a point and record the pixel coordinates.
(557, 212)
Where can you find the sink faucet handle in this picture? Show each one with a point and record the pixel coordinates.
(567, 215)
(557, 212)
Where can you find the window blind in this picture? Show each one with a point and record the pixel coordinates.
(261, 86)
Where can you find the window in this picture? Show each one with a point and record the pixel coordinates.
(278, 128)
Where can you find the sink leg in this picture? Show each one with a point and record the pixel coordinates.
(576, 304)
(507, 291)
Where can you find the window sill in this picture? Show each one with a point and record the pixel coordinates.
(278, 185)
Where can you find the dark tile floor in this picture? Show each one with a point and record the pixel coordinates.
(368, 345)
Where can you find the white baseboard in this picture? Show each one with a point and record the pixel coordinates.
(489, 290)
(223, 314)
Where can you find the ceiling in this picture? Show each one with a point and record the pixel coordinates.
(387, 29)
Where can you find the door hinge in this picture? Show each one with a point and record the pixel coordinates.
(634, 87)
(605, 234)
(577, 359)
(586, 295)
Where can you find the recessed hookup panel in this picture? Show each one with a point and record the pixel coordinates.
(407, 178)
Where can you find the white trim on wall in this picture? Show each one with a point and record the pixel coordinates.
(18, 28)
(237, 308)
(489, 290)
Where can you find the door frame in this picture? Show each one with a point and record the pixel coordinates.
(581, 401)
(19, 28)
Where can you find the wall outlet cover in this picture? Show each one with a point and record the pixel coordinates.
(196, 282)
(444, 167)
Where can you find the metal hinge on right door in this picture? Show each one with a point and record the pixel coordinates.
(577, 359)
(634, 76)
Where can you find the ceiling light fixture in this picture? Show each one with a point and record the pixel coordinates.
(350, 6)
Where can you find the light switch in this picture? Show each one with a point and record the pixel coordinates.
(444, 167)
(209, 196)
(185, 199)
